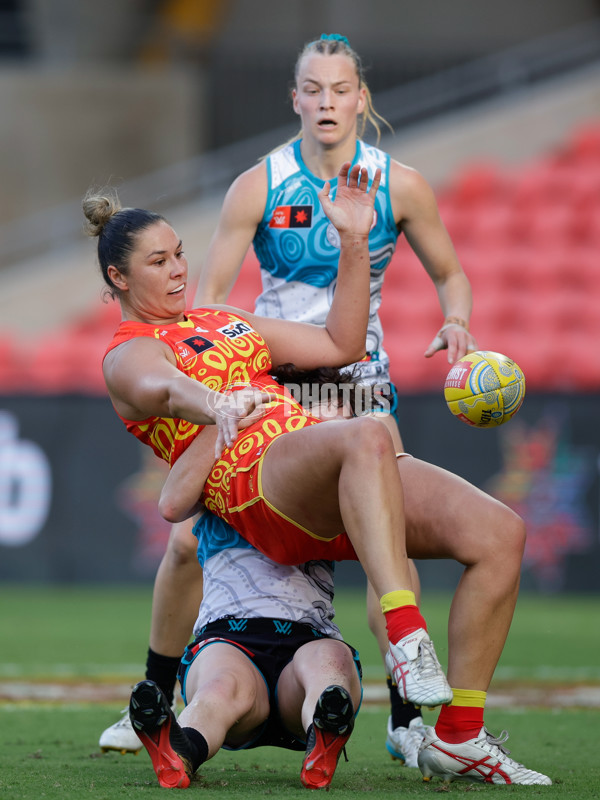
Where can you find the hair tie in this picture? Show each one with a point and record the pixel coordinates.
(336, 37)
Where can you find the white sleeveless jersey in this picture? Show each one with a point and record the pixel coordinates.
(298, 247)
(241, 582)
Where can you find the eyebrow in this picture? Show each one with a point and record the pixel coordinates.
(162, 252)
(314, 80)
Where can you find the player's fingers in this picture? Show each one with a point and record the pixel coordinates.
(344, 170)
(376, 181)
(219, 444)
(436, 345)
(459, 345)
(473, 346)
(453, 351)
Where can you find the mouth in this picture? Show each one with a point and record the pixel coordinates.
(327, 124)
(179, 289)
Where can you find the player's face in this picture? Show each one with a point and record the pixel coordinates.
(328, 98)
(157, 276)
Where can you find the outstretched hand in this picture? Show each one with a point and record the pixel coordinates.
(352, 210)
(455, 339)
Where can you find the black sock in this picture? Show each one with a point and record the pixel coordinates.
(402, 712)
(198, 746)
(163, 671)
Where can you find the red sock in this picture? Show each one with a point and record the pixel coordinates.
(457, 723)
(402, 621)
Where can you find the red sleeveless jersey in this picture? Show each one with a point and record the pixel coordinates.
(222, 350)
(218, 348)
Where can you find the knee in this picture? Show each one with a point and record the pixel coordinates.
(333, 657)
(371, 436)
(182, 544)
(507, 536)
(516, 532)
(228, 690)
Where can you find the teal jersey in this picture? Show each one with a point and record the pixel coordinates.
(298, 247)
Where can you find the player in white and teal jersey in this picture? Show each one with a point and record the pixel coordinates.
(298, 248)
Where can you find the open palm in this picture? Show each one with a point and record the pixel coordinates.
(352, 210)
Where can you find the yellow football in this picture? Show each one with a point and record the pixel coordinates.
(484, 389)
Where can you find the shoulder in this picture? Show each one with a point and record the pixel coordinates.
(409, 190)
(124, 369)
(251, 181)
(373, 158)
(247, 196)
(137, 345)
(408, 178)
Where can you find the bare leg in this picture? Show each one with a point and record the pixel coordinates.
(376, 619)
(446, 517)
(227, 697)
(390, 423)
(177, 593)
(348, 470)
(348, 473)
(315, 666)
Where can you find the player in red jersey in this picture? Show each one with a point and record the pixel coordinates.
(160, 371)
(315, 476)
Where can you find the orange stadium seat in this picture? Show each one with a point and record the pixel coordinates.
(528, 239)
(11, 371)
(584, 143)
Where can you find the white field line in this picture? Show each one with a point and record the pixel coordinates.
(19, 691)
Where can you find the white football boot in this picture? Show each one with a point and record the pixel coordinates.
(403, 743)
(415, 669)
(121, 737)
(478, 760)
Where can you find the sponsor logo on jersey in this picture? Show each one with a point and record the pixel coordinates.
(190, 348)
(291, 217)
(235, 329)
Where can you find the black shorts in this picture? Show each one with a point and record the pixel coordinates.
(270, 644)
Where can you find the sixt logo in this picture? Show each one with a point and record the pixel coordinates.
(235, 329)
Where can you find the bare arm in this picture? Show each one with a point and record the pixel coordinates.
(242, 211)
(342, 340)
(416, 211)
(180, 495)
(143, 381)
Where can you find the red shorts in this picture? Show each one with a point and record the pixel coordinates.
(233, 492)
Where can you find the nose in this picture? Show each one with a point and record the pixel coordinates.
(326, 98)
(178, 267)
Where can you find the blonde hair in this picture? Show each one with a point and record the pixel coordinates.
(331, 44)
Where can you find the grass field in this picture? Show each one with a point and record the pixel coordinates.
(64, 636)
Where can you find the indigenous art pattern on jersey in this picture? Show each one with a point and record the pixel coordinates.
(298, 247)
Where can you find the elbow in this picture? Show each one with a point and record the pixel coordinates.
(359, 354)
(347, 355)
(354, 355)
(169, 511)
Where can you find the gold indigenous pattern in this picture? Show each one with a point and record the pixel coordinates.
(225, 353)
(224, 497)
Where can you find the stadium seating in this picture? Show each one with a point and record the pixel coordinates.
(528, 238)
